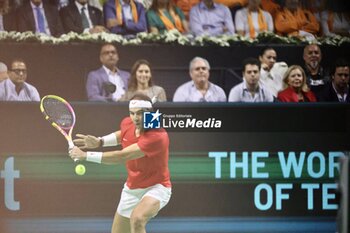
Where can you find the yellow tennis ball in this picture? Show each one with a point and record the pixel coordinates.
(80, 169)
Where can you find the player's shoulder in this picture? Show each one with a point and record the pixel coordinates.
(126, 121)
(159, 133)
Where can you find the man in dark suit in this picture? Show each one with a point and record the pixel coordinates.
(107, 83)
(38, 16)
(338, 89)
(80, 17)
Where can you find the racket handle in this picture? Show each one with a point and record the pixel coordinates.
(70, 147)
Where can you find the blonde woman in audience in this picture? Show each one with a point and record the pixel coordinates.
(296, 88)
(164, 16)
(252, 20)
(141, 81)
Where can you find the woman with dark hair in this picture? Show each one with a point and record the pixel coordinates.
(164, 16)
(296, 88)
(271, 71)
(141, 81)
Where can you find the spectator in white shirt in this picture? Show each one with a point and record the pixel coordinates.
(252, 20)
(15, 88)
(271, 72)
(3, 71)
(250, 90)
(199, 89)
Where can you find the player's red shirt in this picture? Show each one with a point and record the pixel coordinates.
(153, 167)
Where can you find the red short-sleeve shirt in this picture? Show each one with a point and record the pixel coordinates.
(153, 167)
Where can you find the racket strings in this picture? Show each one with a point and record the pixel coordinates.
(58, 112)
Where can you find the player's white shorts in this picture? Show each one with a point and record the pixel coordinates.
(130, 198)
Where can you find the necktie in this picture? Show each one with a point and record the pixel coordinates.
(41, 21)
(84, 19)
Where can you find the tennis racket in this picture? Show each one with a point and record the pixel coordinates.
(60, 114)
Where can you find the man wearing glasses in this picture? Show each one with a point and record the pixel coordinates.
(108, 83)
(15, 88)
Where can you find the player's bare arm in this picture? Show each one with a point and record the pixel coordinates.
(91, 142)
(111, 157)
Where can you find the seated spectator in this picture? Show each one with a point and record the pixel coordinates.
(271, 6)
(292, 20)
(316, 75)
(233, 3)
(199, 89)
(39, 17)
(314, 6)
(15, 88)
(271, 72)
(16, 3)
(212, 19)
(125, 17)
(250, 90)
(338, 89)
(164, 16)
(141, 82)
(97, 3)
(186, 6)
(335, 20)
(296, 88)
(7, 16)
(58, 3)
(80, 17)
(107, 83)
(146, 3)
(252, 20)
(3, 72)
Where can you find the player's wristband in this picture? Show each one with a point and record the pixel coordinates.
(95, 157)
(109, 140)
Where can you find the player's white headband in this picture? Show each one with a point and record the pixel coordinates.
(140, 104)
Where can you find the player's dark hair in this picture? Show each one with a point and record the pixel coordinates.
(340, 62)
(251, 61)
(141, 96)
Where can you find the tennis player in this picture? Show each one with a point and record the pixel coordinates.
(145, 153)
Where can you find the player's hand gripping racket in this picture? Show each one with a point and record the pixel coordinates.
(60, 114)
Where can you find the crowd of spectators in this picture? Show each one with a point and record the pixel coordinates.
(248, 18)
(263, 80)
